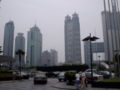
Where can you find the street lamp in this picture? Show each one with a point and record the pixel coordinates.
(99, 62)
(91, 38)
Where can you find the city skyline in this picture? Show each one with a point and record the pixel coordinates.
(26, 13)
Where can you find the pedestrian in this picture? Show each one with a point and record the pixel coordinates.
(14, 75)
(83, 80)
(86, 82)
(77, 81)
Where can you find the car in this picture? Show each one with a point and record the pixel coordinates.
(20, 75)
(61, 76)
(25, 75)
(95, 76)
(50, 74)
(89, 70)
(40, 79)
(106, 74)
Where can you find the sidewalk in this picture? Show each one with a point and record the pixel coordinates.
(62, 85)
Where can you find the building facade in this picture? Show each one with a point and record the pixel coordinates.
(111, 31)
(46, 58)
(49, 58)
(97, 47)
(8, 39)
(72, 40)
(54, 57)
(19, 45)
(34, 47)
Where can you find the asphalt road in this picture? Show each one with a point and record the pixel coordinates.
(27, 85)
(53, 84)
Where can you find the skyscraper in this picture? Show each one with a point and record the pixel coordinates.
(19, 45)
(72, 40)
(111, 30)
(34, 46)
(8, 39)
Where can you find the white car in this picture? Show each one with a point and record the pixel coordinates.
(89, 70)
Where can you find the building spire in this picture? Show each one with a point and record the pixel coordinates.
(35, 24)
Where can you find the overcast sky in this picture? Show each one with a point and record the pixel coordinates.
(49, 16)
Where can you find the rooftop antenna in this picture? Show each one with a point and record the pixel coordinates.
(35, 23)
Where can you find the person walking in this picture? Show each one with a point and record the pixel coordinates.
(77, 81)
(83, 80)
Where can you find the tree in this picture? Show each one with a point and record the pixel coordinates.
(20, 53)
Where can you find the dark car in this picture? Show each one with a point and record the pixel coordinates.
(61, 76)
(94, 78)
(40, 79)
(105, 74)
(50, 74)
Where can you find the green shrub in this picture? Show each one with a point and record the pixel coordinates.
(4, 70)
(112, 80)
(6, 75)
(70, 75)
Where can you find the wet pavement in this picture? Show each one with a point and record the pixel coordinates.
(26, 85)
(53, 84)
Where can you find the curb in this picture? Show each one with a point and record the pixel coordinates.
(62, 88)
(12, 81)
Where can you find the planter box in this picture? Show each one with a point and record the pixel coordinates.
(5, 76)
(106, 84)
(6, 79)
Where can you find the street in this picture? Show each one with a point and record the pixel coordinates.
(26, 85)
(53, 84)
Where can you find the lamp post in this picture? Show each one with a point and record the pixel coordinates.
(99, 62)
(91, 38)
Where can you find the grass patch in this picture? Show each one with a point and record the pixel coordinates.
(112, 80)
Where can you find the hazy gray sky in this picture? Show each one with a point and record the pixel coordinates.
(49, 16)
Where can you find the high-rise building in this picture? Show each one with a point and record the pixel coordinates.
(54, 57)
(72, 40)
(46, 58)
(34, 47)
(8, 39)
(49, 58)
(111, 30)
(19, 45)
(97, 47)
